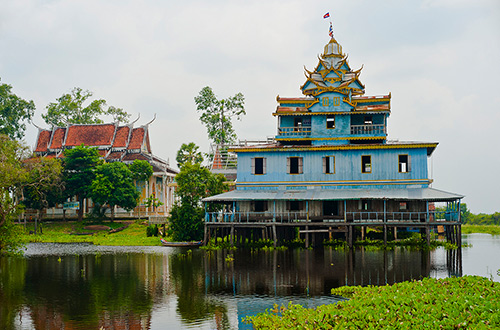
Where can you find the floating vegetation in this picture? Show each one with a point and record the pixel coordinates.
(469, 302)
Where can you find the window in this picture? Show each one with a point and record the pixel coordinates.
(403, 206)
(330, 208)
(366, 164)
(330, 121)
(260, 206)
(325, 101)
(294, 165)
(329, 165)
(295, 206)
(368, 120)
(365, 204)
(259, 165)
(404, 163)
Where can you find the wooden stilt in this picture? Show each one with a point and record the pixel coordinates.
(395, 233)
(428, 235)
(275, 237)
(350, 238)
(307, 237)
(385, 234)
(232, 235)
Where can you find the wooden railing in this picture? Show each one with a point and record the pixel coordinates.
(295, 131)
(368, 129)
(354, 217)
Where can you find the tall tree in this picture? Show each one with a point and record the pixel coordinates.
(14, 112)
(12, 177)
(44, 186)
(188, 153)
(70, 109)
(113, 185)
(79, 171)
(194, 182)
(216, 114)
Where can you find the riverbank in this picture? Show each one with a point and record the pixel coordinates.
(135, 234)
(481, 229)
(98, 234)
(450, 303)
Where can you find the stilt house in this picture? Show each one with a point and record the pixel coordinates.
(331, 167)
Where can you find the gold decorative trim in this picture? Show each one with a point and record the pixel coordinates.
(333, 147)
(347, 182)
(308, 113)
(332, 139)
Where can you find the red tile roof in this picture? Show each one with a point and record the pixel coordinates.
(132, 157)
(90, 135)
(115, 155)
(43, 141)
(57, 138)
(137, 138)
(121, 137)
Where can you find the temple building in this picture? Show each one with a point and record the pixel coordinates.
(123, 143)
(331, 169)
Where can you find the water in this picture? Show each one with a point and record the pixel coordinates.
(81, 286)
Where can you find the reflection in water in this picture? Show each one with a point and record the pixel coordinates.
(74, 286)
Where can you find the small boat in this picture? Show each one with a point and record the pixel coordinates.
(180, 244)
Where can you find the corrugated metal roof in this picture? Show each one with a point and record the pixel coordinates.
(428, 194)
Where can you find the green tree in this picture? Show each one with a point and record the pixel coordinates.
(14, 112)
(79, 171)
(141, 170)
(188, 153)
(70, 109)
(194, 182)
(113, 185)
(12, 178)
(216, 114)
(44, 186)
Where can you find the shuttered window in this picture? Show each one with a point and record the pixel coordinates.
(404, 163)
(294, 165)
(329, 165)
(366, 164)
(259, 165)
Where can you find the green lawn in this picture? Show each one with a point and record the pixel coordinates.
(64, 232)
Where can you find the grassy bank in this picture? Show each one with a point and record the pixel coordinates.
(486, 229)
(75, 232)
(468, 302)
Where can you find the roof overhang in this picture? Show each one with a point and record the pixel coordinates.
(421, 194)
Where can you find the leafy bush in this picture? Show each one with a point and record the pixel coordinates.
(468, 302)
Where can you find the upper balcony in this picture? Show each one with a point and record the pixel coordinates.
(295, 131)
(368, 129)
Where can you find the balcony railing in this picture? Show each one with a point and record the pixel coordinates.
(368, 129)
(353, 217)
(295, 131)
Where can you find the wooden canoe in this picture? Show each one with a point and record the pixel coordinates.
(180, 244)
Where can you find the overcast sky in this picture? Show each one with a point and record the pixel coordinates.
(439, 59)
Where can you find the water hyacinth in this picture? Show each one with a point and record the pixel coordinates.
(451, 303)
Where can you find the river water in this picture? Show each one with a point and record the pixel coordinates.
(82, 286)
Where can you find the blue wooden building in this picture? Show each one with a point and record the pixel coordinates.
(331, 168)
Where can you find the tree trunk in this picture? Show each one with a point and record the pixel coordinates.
(112, 212)
(80, 209)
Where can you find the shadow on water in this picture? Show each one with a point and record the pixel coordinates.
(86, 287)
